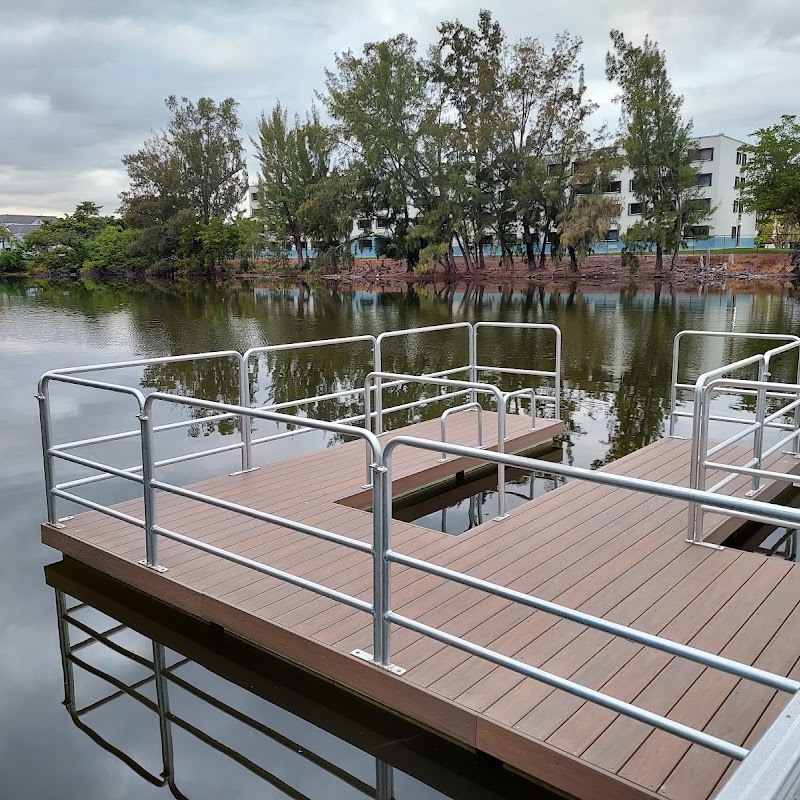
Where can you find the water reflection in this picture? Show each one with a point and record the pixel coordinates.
(198, 714)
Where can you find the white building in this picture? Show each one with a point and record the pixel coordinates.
(248, 205)
(720, 160)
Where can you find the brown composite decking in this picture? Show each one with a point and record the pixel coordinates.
(606, 551)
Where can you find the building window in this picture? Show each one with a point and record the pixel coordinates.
(634, 208)
(556, 169)
(381, 222)
(704, 179)
(738, 182)
(704, 154)
(737, 207)
(364, 245)
(365, 224)
(699, 204)
(612, 235)
(614, 187)
(699, 231)
(733, 232)
(254, 197)
(741, 158)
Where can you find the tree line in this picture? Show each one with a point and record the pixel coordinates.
(480, 143)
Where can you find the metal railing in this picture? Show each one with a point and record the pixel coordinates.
(466, 387)
(383, 556)
(709, 456)
(379, 479)
(554, 374)
(164, 677)
(245, 363)
(677, 386)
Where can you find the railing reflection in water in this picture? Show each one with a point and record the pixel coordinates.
(164, 673)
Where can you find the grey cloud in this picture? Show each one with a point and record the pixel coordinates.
(83, 82)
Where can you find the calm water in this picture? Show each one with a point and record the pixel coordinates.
(617, 353)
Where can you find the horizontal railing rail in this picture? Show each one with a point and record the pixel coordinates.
(468, 386)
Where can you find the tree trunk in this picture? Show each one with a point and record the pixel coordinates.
(481, 262)
(544, 247)
(298, 248)
(528, 241)
(573, 259)
(659, 258)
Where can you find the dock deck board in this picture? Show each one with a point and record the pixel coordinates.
(609, 552)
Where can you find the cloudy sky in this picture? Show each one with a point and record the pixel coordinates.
(82, 82)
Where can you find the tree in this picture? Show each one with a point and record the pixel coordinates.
(586, 222)
(5, 235)
(294, 160)
(210, 154)
(388, 120)
(184, 182)
(658, 145)
(109, 251)
(772, 173)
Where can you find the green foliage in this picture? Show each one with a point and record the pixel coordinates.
(62, 247)
(585, 223)
(658, 145)
(772, 185)
(12, 260)
(109, 252)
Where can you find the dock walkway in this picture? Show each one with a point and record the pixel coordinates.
(607, 551)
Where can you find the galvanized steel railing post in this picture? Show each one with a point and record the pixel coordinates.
(49, 461)
(148, 476)
(694, 457)
(377, 367)
(796, 441)
(758, 436)
(558, 373)
(501, 468)
(673, 394)
(381, 585)
(244, 422)
(368, 427)
(473, 361)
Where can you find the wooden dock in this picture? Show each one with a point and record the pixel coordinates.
(606, 551)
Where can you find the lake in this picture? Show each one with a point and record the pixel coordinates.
(616, 368)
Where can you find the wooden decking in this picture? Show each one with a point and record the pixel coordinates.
(609, 552)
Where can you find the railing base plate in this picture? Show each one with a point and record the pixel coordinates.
(706, 544)
(157, 568)
(364, 656)
(500, 519)
(243, 471)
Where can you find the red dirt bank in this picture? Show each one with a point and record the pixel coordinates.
(765, 266)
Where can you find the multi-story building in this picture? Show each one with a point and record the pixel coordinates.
(720, 160)
(19, 225)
